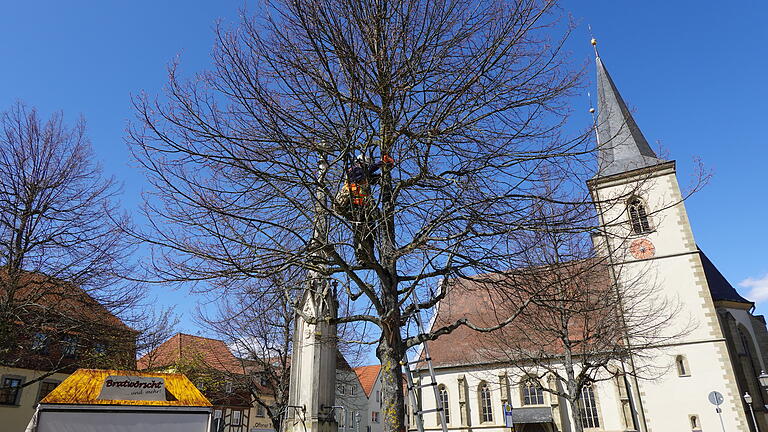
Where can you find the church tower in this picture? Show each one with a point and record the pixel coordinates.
(648, 237)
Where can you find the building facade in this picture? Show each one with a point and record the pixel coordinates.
(351, 398)
(64, 329)
(720, 347)
(370, 379)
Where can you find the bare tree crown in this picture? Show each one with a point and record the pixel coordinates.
(468, 98)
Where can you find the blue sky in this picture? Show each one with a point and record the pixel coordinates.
(695, 72)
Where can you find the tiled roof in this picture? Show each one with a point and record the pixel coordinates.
(487, 301)
(212, 353)
(83, 388)
(46, 294)
(367, 376)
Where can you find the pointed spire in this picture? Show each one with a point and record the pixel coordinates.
(622, 147)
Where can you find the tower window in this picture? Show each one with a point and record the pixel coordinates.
(682, 366)
(695, 422)
(638, 216)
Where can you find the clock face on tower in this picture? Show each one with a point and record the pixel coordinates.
(642, 248)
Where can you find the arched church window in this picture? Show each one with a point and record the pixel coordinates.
(486, 407)
(443, 392)
(744, 342)
(638, 216)
(532, 392)
(589, 413)
(681, 363)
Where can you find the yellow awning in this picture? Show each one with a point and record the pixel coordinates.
(84, 386)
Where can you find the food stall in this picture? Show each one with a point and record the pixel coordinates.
(93, 400)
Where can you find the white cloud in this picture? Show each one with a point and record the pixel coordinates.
(758, 288)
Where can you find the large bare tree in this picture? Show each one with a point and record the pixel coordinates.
(63, 250)
(469, 100)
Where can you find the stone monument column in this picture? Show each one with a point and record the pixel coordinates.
(312, 392)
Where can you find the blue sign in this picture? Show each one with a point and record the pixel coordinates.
(508, 415)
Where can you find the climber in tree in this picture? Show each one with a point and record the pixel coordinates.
(354, 202)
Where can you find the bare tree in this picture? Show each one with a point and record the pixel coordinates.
(463, 101)
(257, 322)
(63, 250)
(154, 327)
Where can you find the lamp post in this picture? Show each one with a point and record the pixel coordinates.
(748, 400)
(763, 378)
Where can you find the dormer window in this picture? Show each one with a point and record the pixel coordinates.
(70, 346)
(638, 216)
(40, 343)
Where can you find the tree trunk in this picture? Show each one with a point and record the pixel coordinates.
(390, 354)
(575, 404)
(574, 395)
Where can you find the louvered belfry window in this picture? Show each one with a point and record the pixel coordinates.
(638, 217)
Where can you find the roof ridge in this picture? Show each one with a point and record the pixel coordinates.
(198, 337)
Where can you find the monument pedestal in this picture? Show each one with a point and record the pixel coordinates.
(312, 392)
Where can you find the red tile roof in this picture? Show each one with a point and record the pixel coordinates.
(487, 301)
(212, 353)
(367, 376)
(42, 294)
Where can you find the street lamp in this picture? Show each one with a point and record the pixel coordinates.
(763, 378)
(748, 400)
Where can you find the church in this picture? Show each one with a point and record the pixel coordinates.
(707, 377)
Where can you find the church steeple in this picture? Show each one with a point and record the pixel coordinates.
(621, 145)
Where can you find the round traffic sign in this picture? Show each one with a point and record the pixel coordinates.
(715, 398)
